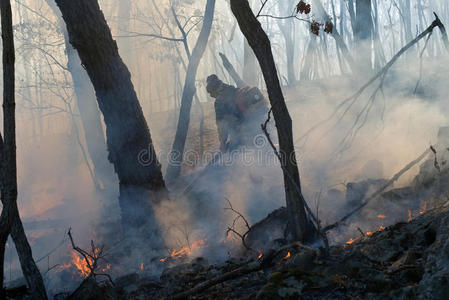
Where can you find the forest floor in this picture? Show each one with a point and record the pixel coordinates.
(409, 260)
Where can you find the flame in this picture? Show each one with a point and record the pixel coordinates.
(410, 218)
(368, 233)
(186, 250)
(381, 216)
(424, 208)
(141, 267)
(288, 255)
(260, 255)
(81, 264)
(351, 240)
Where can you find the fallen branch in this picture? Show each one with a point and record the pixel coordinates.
(381, 74)
(379, 191)
(230, 68)
(246, 269)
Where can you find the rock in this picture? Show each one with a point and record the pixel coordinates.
(304, 259)
(89, 290)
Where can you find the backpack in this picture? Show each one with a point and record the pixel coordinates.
(248, 97)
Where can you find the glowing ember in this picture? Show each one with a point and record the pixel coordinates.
(410, 218)
(424, 208)
(288, 255)
(141, 267)
(381, 216)
(260, 255)
(351, 240)
(186, 250)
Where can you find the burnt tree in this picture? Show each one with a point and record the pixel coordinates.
(259, 42)
(10, 222)
(129, 142)
(176, 154)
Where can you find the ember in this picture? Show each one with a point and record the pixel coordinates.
(424, 208)
(186, 250)
(260, 255)
(288, 255)
(351, 240)
(381, 216)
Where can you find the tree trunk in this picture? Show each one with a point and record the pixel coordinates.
(286, 29)
(130, 147)
(88, 109)
(176, 154)
(363, 34)
(10, 219)
(259, 42)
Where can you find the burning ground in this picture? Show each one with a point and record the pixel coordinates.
(403, 261)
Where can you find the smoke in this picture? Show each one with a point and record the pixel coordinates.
(56, 190)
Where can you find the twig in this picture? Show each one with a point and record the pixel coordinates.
(91, 259)
(231, 229)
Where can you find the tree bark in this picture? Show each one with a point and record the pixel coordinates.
(259, 42)
(176, 154)
(10, 219)
(130, 146)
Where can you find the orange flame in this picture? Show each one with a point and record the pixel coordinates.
(81, 264)
(424, 208)
(410, 218)
(141, 267)
(288, 255)
(186, 250)
(351, 240)
(260, 255)
(381, 216)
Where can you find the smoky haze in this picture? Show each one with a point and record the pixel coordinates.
(387, 126)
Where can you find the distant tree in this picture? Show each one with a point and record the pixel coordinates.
(177, 152)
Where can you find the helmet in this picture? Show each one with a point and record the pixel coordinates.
(212, 83)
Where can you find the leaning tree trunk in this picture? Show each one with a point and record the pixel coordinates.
(130, 147)
(10, 220)
(177, 152)
(259, 42)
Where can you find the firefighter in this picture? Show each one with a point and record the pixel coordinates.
(227, 114)
(235, 111)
